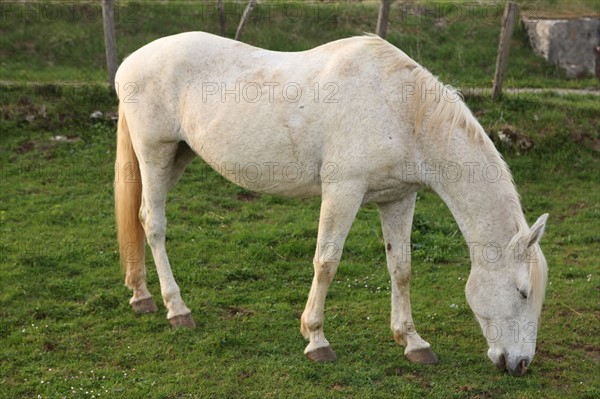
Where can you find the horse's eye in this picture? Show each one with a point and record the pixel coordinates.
(522, 292)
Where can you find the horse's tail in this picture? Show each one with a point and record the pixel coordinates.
(128, 199)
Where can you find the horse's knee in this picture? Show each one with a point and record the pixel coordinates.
(155, 229)
(401, 276)
(325, 270)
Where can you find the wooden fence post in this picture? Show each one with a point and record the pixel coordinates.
(508, 21)
(221, 16)
(383, 18)
(245, 16)
(110, 40)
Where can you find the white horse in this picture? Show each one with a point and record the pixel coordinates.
(355, 121)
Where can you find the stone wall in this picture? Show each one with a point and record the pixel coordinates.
(572, 44)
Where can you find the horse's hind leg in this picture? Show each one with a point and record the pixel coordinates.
(396, 221)
(160, 168)
(338, 209)
(141, 301)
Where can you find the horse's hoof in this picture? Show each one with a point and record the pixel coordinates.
(183, 321)
(322, 354)
(422, 356)
(144, 306)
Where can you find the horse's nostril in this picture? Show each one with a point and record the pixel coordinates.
(520, 369)
(501, 363)
(523, 366)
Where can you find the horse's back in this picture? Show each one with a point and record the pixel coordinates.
(196, 55)
(275, 120)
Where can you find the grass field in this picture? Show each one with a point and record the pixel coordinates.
(243, 260)
(47, 41)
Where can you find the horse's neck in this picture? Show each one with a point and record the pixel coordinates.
(486, 208)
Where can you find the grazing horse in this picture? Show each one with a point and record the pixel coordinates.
(355, 121)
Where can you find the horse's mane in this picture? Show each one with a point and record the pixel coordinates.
(442, 102)
(436, 105)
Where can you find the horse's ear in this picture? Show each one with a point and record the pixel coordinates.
(525, 239)
(536, 231)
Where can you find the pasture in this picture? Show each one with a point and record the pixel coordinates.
(244, 260)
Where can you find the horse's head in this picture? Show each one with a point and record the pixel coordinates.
(506, 292)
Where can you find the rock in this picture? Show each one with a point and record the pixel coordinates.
(569, 43)
(65, 139)
(96, 115)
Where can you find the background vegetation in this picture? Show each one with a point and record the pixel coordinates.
(243, 260)
(47, 41)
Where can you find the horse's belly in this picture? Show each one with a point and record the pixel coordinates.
(266, 162)
(281, 177)
(270, 148)
(390, 194)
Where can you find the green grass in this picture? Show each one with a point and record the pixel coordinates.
(243, 261)
(47, 42)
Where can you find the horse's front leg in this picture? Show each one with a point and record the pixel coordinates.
(396, 221)
(338, 209)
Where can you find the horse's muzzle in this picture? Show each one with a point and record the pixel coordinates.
(516, 369)
(519, 368)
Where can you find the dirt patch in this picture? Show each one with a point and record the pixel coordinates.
(25, 147)
(414, 376)
(486, 394)
(247, 196)
(237, 313)
(546, 355)
(49, 346)
(338, 387)
(591, 351)
(587, 139)
(24, 110)
(509, 136)
(45, 147)
(246, 374)
(473, 392)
